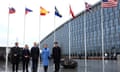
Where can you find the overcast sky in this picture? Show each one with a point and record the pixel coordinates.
(16, 21)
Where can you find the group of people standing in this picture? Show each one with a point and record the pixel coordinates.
(34, 55)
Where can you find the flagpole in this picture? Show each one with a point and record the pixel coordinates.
(39, 27)
(54, 29)
(24, 29)
(85, 41)
(6, 65)
(39, 37)
(102, 36)
(69, 40)
(39, 30)
(69, 35)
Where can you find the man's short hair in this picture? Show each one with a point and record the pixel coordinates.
(16, 43)
(55, 42)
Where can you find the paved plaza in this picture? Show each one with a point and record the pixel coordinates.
(92, 66)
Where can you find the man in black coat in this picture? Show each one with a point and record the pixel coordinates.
(25, 58)
(15, 57)
(56, 55)
(35, 57)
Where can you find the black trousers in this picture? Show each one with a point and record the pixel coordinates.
(45, 68)
(15, 67)
(57, 67)
(34, 65)
(25, 65)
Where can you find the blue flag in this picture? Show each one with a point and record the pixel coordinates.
(57, 12)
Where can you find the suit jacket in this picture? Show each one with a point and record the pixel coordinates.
(25, 53)
(15, 54)
(35, 52)
(56, 54)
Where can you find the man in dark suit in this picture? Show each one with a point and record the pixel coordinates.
(25, 58)
(35, 57)
(15, 57)
(56, 55)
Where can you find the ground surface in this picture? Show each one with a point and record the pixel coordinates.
(92, 66)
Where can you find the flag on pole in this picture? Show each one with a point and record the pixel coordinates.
(12, 10)
(71, 12)
(57, 13)
(27, 10)
(43, 11)
(109, 3)
(87, 6)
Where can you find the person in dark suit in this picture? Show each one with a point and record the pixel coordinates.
(56, 55)
(15, 57)
(35, 57)
(25, 58)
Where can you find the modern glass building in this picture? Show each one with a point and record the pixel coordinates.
(111, 28)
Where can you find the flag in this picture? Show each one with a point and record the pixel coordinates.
(57, 12)
(43, 11)
(87, 6)
(12, 10)
(109, 3)
(27, 10)
(71, 12)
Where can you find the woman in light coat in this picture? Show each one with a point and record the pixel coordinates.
(45, 57)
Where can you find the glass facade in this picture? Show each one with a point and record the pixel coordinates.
(111, 26)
